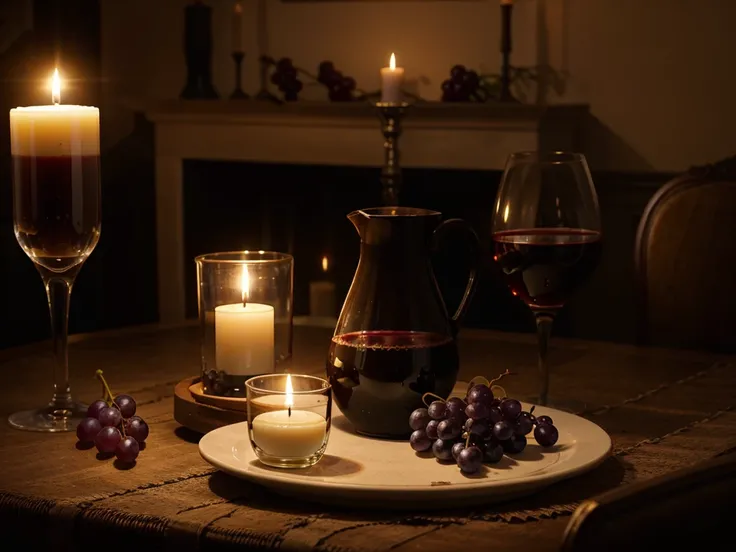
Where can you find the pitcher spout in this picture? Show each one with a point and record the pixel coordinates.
(377, 221)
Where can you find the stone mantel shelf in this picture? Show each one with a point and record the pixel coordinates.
(436, 135)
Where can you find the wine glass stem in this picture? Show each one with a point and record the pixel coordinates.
(544, 328)
(58, 291)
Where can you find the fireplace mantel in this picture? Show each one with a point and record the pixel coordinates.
(436, 135)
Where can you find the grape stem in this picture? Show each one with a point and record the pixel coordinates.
(501, 376)
(424, 398)
(105, 389)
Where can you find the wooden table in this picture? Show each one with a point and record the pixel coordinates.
(664, 409)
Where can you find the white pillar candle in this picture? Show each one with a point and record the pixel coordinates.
(237, 28)
(392, 78)
(244, 336)
(289, 432)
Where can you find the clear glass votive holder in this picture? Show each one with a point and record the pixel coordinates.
(246, 317)
(289, 418)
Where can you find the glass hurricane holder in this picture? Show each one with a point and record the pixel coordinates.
(289, 419)
(391, 115)
(57, 217)
(246, 317)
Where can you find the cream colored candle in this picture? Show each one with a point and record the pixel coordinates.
(289, 432)
(322, 296)
(55, 130)
(392, 79)
(237, 36)
(244, 336)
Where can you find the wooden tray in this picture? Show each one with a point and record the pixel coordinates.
(199, 416)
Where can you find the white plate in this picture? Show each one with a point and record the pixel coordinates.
(368, 472)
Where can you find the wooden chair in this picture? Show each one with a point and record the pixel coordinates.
(686, 261)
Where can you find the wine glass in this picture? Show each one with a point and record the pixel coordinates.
(546, 235)
(56, 216)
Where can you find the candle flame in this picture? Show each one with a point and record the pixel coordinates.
(56, 88)
(289, 397)
(392, 62)
(325, 263)
(244, 284)
(238, 8)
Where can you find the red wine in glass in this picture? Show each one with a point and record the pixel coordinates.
(545, 266)
(378, 377)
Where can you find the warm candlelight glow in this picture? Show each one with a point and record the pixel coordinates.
(325, 264)
(238, 8)
(289, 396)
(244, 284)
(56, 88)
(392, 62)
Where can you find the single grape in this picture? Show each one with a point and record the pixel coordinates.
(447, 86)
(348, 83)
(477, 411)
(510, 408)
(127, 450)
(93, 411)
(88, 429)
(480, 394)
(325, 69)
(470, 459)
(456, 449)
(523, 424)
(137, 429)
(277, 79)
(437, 410)
(471, 80)
(442, 449)
(110, 416)
(502, 430)
(107, 439)
(419, 419)
(457, 72)
(494, 414)
(448, 429)
(419, 440)
(480, 428)
(496, 402)
(515, 445)
(126, 404)
(546, 434)
(544, 420)
(455, 407)
(431, 429)
(493, 452)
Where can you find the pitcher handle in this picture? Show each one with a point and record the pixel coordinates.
(475, 264)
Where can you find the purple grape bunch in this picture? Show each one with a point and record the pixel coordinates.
(339, 87)
(463, 85)
(478, 429)
(286, 77)
(112, 426)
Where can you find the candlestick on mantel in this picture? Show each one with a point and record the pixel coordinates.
(322, 297)
(237, 34)
(244, 335)
(507, 7)
(392, 79)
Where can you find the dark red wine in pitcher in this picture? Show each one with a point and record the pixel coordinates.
(544, 266)
(378, 377)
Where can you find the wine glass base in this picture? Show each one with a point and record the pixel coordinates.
(49, 419)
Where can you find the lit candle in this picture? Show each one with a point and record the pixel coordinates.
(244, 334)
(392, 78)
(289, 432)
(322, 300)
(56, 130)
(238, 27)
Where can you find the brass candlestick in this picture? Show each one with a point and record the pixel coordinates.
(238, 93)
(391, 115)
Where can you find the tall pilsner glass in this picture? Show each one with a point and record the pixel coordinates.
(547, 235)
(56, 210)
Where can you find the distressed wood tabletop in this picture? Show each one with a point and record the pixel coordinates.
(664, 409)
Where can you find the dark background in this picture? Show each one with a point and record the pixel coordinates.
(300, 209)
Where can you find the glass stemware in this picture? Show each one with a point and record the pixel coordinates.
(57, 218)
(546, 235)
